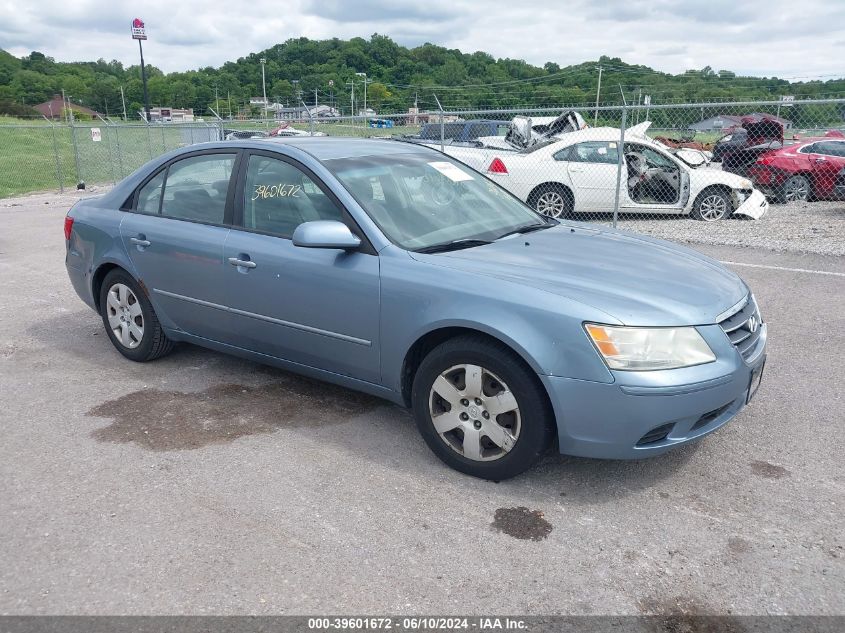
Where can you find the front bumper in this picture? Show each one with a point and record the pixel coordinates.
(755, 206)
(633, 421)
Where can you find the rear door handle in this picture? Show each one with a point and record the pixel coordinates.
(139, 241)
(245, 263)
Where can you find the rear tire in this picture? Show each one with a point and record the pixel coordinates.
(481, 409)
(795, 189)
(129, 318)
(552, 200)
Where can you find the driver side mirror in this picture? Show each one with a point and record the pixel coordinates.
(325, 234)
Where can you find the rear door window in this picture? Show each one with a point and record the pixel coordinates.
(196, 188)
(149, 196)
(831, 148)
(594, 152)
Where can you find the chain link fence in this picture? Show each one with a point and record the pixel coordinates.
(766, 173)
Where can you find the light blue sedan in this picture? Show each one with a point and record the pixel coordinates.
(392, 269)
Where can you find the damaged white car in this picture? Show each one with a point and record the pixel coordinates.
(578, 172)
(525, 132)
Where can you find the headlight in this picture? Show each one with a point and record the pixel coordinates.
(644, 349)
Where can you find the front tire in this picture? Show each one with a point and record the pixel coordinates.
(712, 205)
(129, 319)
(480, 409)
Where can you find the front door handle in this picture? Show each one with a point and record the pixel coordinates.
(139, 242)
(245, 263)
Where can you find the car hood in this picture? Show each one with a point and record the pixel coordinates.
(636, 280)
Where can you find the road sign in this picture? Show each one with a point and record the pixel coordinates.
(139, 31)
(95, 135)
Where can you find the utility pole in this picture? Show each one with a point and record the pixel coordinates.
(216, 100)
(263, 85)
(352, 97)
(123, 101)
(598, 92)
(229, 99)
(315, 97)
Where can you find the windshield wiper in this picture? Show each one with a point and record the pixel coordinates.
(454, 245)
(527, 229)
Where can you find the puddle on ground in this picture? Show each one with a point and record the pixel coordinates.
(684, 614)
(769, 471)
(174, 420)
(522, 523)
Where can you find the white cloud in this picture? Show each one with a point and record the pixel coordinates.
(759, 37)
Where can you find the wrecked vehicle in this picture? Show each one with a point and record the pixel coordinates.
(741, 147)
(456, 132)
(525, 132)
(577, 173)
(806, 170)
(683, 139)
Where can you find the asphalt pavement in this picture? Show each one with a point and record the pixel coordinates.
(205, 484)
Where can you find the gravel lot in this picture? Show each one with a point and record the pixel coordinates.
(800, 227)
(205, 484)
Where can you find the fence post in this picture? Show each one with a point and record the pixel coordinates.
(620, 151)
(58, 160)
(119, 153)
(163, 141)
(111, 160)
(442, 128)
(75, 153)
(149, 141)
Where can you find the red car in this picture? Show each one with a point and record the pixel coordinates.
(802, 171)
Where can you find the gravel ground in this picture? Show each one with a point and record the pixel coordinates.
(135, 489)
(800, 227)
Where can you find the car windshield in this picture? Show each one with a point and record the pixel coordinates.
(425, 200)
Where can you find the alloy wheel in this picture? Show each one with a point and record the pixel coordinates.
(551, 204)
(713, 207)
(126, 319)
(474, 412)
(796, 190)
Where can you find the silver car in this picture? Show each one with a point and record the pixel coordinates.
(392, 269)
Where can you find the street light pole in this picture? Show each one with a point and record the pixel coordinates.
(598, 92)
(263, 85)
(364, 75)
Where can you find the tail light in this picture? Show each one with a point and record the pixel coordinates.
(68, 226)
(497, 167)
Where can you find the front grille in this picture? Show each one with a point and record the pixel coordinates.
(738, 326)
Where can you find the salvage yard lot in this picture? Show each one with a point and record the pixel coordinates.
(201, 483)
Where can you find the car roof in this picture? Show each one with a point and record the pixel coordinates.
(328, 147)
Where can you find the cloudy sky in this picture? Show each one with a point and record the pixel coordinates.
(757, 37)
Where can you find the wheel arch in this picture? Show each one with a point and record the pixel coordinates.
(722, 187)
(532, 196)
(100, 274)
(434, 337)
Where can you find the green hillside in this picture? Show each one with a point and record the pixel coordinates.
(300, 66)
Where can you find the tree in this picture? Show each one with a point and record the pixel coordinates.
(377, 93)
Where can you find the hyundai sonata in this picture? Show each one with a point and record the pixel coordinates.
(390, 268)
